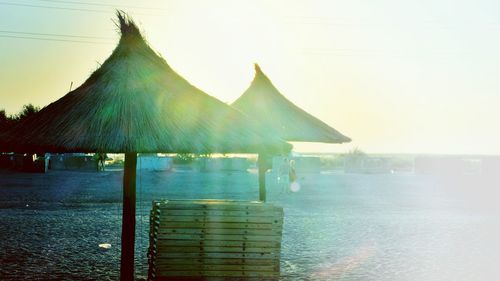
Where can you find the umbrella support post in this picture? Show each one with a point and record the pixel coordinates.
(263, 164)
(262, 184)
(128, 218)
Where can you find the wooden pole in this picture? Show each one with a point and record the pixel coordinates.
(263, 165)
(128, 218)
(262, 184)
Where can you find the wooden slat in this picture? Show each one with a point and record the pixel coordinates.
(220, 225)
(172, 261)
(240, 213)
(219, 237)
(250, 208)
(246, 219)
(228, 207)
(262, 232)
(215, 278)
(217, 243)
(212, 202)
(219, 273)
(215, 267)
(219, 255)
(208, 249)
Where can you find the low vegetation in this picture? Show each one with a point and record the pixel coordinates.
(7, 121)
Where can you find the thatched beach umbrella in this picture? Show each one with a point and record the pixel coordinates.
(271, 110)
(135, 103)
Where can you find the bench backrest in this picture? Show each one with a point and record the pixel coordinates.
(214, 240)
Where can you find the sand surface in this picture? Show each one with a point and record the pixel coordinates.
(337, 226)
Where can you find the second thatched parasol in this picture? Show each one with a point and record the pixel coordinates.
(271, 110)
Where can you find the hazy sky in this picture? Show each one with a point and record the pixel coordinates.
(395, 76)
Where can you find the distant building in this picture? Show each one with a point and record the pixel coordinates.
(73, 161)
(222, 164)
(6, 160)
(153, 162)
(24, 162)
(307, 164)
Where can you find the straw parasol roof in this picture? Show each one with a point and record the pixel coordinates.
(135, 102)
(270, 108)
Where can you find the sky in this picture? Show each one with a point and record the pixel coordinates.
(395, 76)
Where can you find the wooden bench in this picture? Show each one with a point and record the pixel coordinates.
(214, 240)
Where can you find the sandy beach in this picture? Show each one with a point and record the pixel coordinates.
(337, 226)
